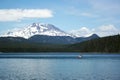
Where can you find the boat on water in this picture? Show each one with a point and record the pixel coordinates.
(80, 56)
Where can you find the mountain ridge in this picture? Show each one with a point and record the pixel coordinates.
(46, 33)
(44, 39)
(108, 44)
(36, 29)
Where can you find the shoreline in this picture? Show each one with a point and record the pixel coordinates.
(58, 55)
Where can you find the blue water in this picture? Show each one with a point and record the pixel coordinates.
(89, 67)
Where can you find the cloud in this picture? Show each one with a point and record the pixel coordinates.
(104, 30)
(107, 30)
(106, 6)
(18, 14)
(88, 14)
(82, 32)
(76, 12)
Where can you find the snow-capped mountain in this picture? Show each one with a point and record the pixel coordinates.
(82, 32)
(36, 29)
(44, 33)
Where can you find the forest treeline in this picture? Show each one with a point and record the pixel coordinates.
(108, 44)
(105, 44)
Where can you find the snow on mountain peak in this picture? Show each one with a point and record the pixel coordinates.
(36, 29)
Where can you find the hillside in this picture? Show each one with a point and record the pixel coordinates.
(105, 44)
(12, 44)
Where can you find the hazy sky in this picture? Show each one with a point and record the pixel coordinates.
(84, 16)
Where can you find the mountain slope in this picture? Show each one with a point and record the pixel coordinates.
(36, 29)
(81, 39)
(46, 33)
(52, 39)
(105, 44)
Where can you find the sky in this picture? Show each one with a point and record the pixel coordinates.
(81, 17)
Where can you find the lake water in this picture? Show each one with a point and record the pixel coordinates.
(59, 67)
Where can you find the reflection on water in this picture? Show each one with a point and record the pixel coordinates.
(88, 68)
